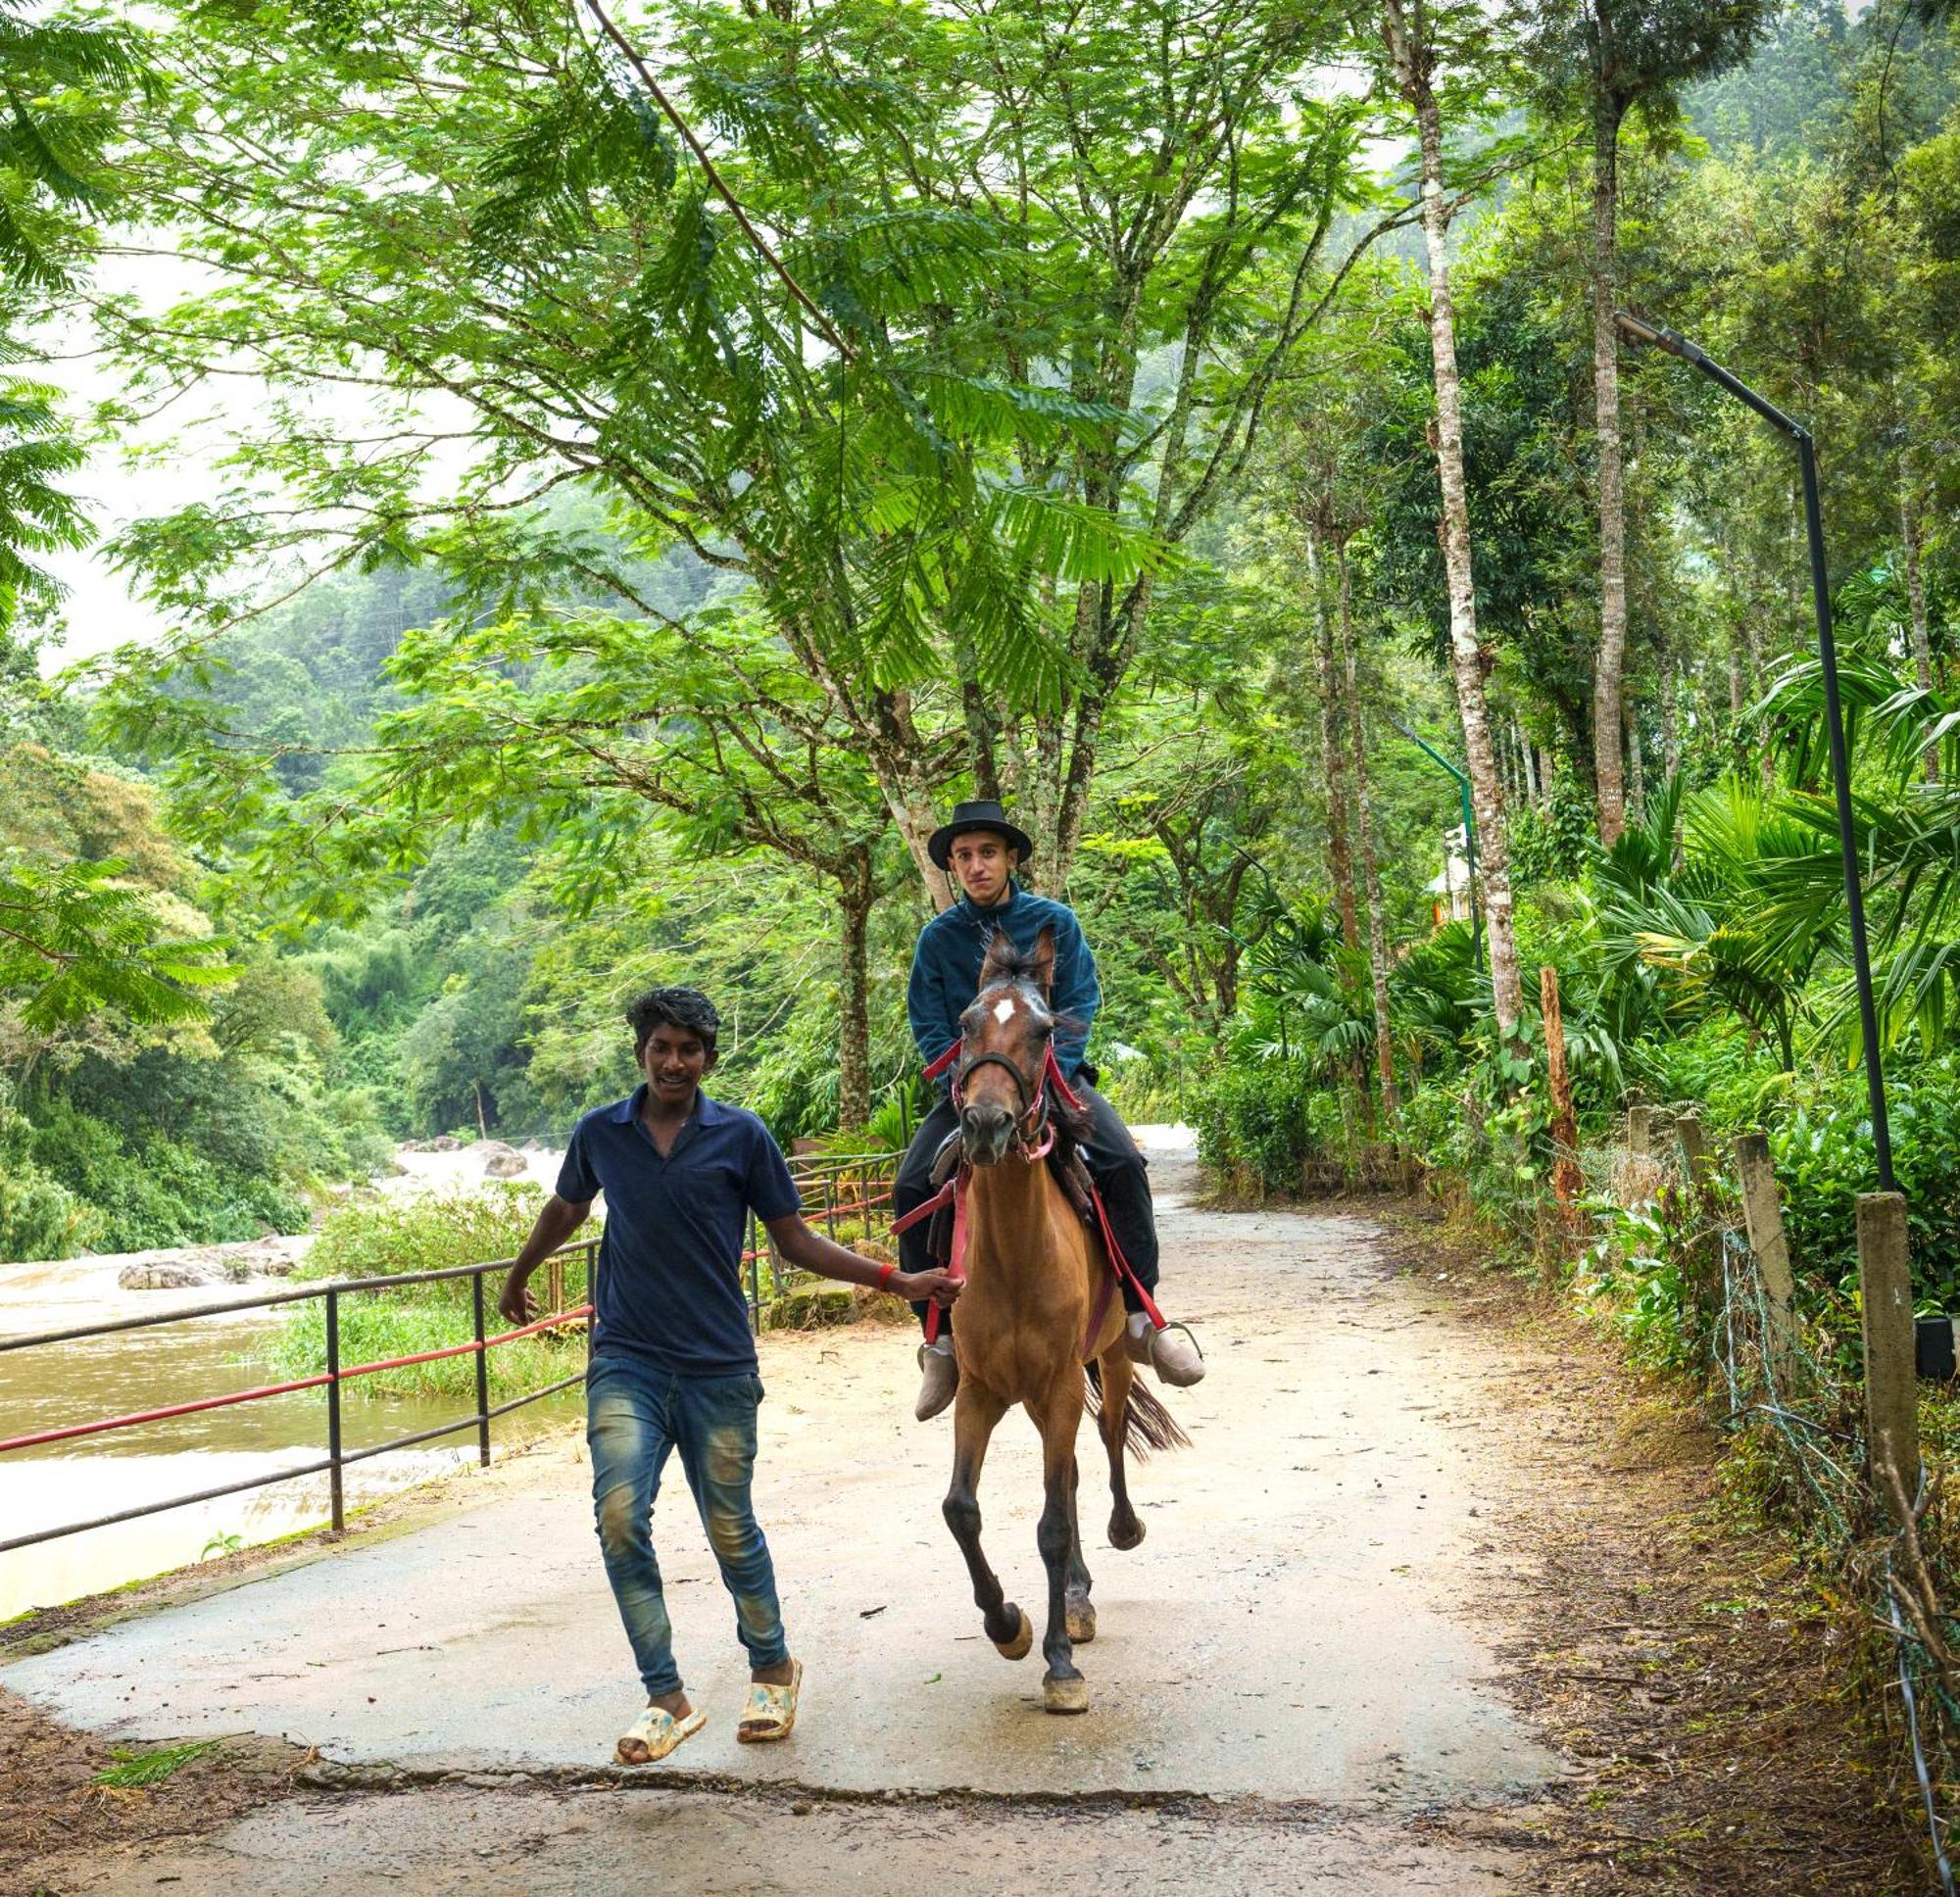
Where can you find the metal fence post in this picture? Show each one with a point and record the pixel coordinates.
(482, 1373)
(333, 1476)
(755, 1280)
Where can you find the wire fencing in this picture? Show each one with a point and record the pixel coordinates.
(1796, 1371)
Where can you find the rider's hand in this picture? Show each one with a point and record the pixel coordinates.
(941, 1286)
(516, 1305)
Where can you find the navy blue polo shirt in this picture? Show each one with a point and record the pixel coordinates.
(668, 1283)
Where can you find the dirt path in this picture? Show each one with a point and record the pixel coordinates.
(1296, 1678)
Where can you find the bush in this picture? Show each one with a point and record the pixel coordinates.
(39, 1217)
(140, 1193)
(429, 1231)
(1733, 1073)
(1823, 1151)
(1259, 1123)
(1500, 1150)
(1143, 1094)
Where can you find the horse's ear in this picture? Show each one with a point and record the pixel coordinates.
(1044, 960)
(998, 948)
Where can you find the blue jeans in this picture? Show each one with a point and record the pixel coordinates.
(635, 1415)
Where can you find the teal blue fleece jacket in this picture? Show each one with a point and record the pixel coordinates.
(946, 970)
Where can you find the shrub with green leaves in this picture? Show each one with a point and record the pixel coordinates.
(428, 1232)
(155, 1190)
(1733, 1073)
(1258, 1124)
(1822, 1146)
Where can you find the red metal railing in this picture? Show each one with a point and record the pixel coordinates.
(820, 1177)
(337, 1458)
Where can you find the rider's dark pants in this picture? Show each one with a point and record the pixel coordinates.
(1118, 1169)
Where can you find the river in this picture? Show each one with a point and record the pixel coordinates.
(47, 1387)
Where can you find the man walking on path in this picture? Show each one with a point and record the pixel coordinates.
(982, 851)
(673, 1362)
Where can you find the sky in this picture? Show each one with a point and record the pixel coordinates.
(167, 461)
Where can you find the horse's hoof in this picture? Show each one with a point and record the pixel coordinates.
(1126, 1535)
(1069, 1695)
(1024, 1638)
(1081, 1623)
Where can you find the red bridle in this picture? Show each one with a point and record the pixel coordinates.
(1034, 1123)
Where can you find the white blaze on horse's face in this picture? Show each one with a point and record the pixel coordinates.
(1003, 1010)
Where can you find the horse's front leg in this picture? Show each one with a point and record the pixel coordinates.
(1063, 1690)
(975, 1412)
(1081, 1608)
(1126, 1529)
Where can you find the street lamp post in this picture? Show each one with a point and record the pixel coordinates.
(1642, 331)
(1469, 838)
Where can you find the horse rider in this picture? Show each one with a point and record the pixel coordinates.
(981, 849)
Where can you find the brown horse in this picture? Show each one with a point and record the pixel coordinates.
(1035, 1308)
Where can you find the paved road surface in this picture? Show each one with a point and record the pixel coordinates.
(1307, 1626)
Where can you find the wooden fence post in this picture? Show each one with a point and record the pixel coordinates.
(1565, 1175)
(1891, 1386)
(1640, 1119)
(1704, 1249)
(1762, 1213)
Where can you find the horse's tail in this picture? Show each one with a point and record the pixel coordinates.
(1147, 1424)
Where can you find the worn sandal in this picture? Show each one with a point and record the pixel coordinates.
(659, 1733)
(771, 1712)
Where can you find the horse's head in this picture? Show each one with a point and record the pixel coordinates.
(1003, 1047)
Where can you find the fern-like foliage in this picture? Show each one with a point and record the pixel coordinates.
(75, 940)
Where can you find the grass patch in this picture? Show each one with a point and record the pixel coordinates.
(152, 1767)
(429, 1232)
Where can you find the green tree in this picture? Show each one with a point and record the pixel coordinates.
(1604, 59)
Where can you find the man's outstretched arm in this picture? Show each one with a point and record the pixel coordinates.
(810, 1250)
(558, 1220)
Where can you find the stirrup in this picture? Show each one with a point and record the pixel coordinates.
(1142, 1349)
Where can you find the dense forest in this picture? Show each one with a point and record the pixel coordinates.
(670, 480)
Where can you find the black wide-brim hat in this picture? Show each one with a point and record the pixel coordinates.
(983, 814)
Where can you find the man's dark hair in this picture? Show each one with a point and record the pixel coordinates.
(674, 1007)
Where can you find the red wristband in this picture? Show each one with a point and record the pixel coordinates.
(885, 1277)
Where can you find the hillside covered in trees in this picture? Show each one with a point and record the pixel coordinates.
(1152, 460)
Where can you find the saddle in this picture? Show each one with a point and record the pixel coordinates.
(1064, 1161)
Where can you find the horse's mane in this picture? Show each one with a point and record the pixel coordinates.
(1010, 963)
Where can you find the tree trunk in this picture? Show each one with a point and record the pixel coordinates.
(1566, 1177)
(1412, 64)
(1613, 655)
(1915, 592)
(1378, 928)
(1332, 757)
(1637, 774)
(1527, 751)
(896, 752)
(854, 995)
(482, 1125)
